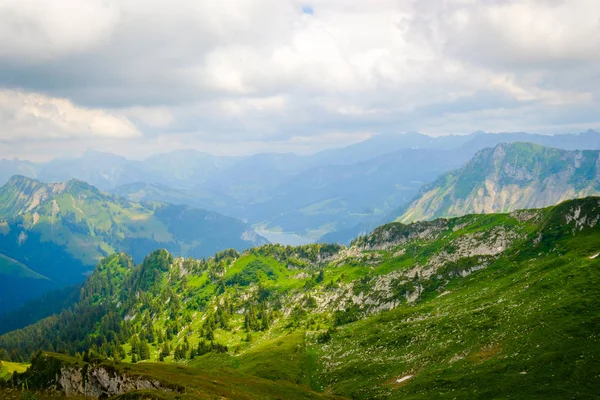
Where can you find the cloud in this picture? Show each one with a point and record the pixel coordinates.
(31, 116)
(272, 70)
(529, 34)
(38, 30)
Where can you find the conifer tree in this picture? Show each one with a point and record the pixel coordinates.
(144, 350)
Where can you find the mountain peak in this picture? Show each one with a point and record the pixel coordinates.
(25, 183)
(591, 132)
(507, 177)
(508, 147)
(19, 179)
(21, 182)
(95, 154)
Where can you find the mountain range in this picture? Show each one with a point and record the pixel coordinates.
(53, 234)
(331, 192)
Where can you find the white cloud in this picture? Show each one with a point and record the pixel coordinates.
(251, 70)
(507, 83)
(527, 33)
(36, 30)
(31, 116)
(254, 105)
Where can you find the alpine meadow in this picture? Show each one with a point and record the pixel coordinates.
(273, 199)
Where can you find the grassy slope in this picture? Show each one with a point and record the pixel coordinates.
(524, 327)
(521, 324)
(510, 331)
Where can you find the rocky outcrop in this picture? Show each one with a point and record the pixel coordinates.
(95, 380)
(102, 382)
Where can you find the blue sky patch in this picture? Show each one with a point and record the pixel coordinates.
(308, 10)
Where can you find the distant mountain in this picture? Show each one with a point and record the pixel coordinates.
(311, 196)
(589, 140)
(509, 177)
(339, 193)
(9, 168)
(184, 169)
(103, 170)
(385, 143)
(148, 192)
(59, 231)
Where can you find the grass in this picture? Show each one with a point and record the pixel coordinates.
(518, 330)
(7, 368)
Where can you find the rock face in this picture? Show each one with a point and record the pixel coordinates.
(95, 380)
(506, 178)
(99, 381)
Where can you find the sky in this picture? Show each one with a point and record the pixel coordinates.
(231, 77)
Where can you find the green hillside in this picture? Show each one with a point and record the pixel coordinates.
(62, 230)
(481, 306)
(508, 177)
(13, 268)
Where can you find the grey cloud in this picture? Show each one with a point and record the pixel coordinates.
(250, 71)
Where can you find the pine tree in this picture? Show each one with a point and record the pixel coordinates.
(265, 321)
(144, 350)
(116, 356)
(135, 345)
(321, 276)
(210, 335)
(164, 352)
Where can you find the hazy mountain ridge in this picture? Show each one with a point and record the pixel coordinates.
(341, 188)
(451, 306)
(509, 177)
(334, 194)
